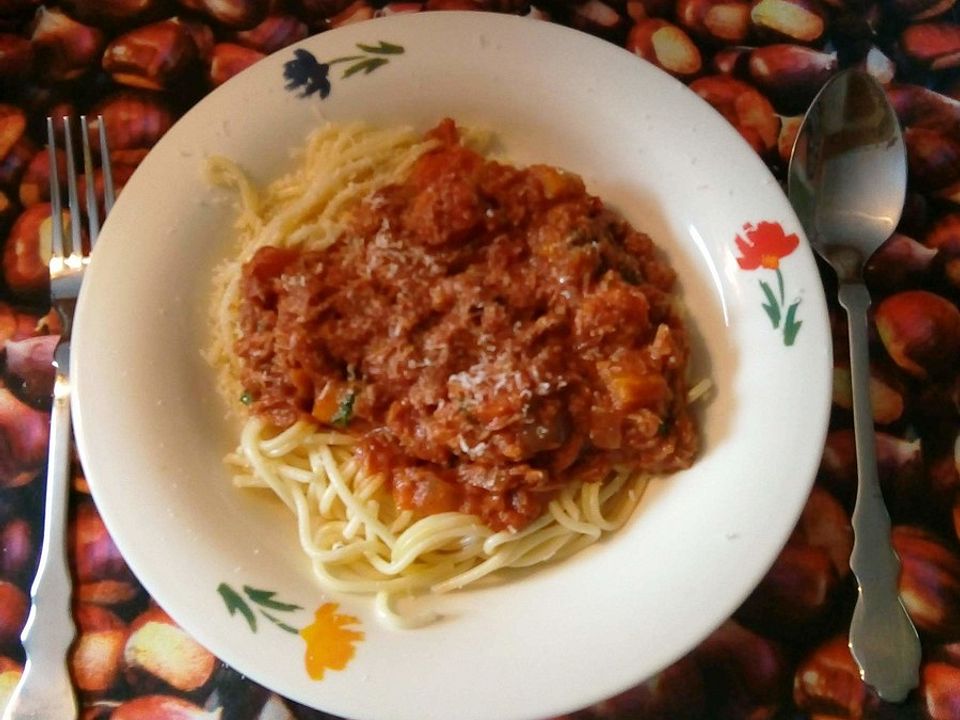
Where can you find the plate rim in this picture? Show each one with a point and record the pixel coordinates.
(324, 38)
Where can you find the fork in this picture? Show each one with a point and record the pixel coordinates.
(45, 691)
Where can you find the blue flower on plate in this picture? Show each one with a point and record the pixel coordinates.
(313, 77)
(305, 72)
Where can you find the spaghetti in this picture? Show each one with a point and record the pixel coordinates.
(520, 451)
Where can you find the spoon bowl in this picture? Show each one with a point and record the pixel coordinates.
(847, 182)
(848, 172)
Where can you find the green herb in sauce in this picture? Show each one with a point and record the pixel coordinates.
(341, 418)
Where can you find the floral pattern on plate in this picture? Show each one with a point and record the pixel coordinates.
(311, 77)
(331, 638)
(764, 245)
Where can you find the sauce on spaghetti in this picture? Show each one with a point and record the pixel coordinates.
(490, 333)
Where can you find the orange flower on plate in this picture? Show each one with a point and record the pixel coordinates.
(764, 246)
(331, 643)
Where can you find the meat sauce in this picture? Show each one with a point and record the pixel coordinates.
(489, 333)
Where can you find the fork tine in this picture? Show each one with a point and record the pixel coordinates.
(56, 204)
(93, 212)
(108, 193)
(72, 190)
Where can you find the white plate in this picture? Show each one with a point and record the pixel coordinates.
(151, 431)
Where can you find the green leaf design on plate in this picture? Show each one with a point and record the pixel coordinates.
(772, 307)
(367, 66)
(235, 603)
(384, 48)
(791, 325)
(263, 600)
(279, 623)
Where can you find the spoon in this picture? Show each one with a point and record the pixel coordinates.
(847, 182)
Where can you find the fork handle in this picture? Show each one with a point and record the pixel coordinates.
(45, 691)
(883, 639)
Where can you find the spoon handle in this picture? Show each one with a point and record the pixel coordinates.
(883, 640)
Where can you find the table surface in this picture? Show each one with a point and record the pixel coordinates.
(783, 654)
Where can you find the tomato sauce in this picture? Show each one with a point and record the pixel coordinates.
(489, 332)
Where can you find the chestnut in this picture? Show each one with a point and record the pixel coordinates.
(31, 362)
(202, 35)
(676, 692)
(151, 56)
(733, 61)
(825, 524)
(929, 581)
(934, 45)
(920, 107)
(798, 21)
(920, 331)
(79, 482)
(452, 5)
(16, 325)
(274, 33)
(16, 549)
(10, 674)
(16, 147)
(886, 398)
(921, 9)
(162, 707)
(317, 12)
(900, 263)
(653, 8)
(229, 59)
(940, 690)
(96, 657)
(794, 596)
(725, 22)
(956, 516)
(7, 211)
(14, 606)
(24, 434)
(943, 239)
(789, 127)
(665, 45)
(160, 650)
(122, 171)
(111, 12)
(133, 119)
(35, 183)
(791, 75)
(40, 103)
(944, 477)
(744, 107)
(899, 461)
(933, 158)
(356, 11)
(65, 48)
(401, 8)
(102, 574)
(827, 683)
(27, 252)
(235, 14)
(745, 674)
(16, 55)
(593, 16)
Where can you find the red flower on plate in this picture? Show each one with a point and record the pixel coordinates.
(764, 246)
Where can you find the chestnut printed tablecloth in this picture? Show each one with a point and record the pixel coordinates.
(142, 63)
